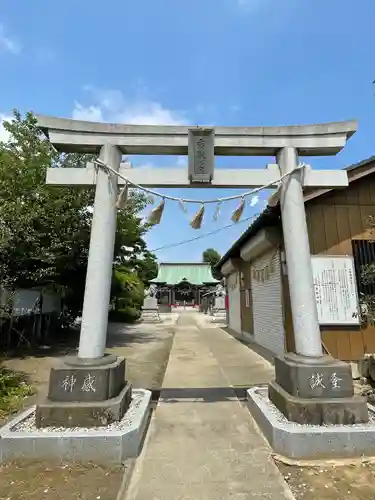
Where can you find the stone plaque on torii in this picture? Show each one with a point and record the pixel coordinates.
(111, 141)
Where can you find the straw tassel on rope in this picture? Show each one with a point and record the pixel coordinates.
(196, 221)
(237, 214)
(155, 216)
(122, 199)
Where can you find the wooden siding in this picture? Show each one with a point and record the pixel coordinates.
(334, 220)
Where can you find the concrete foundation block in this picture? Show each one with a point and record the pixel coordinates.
(111, 444)
(310, 442)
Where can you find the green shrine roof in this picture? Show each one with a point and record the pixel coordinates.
(175, 273)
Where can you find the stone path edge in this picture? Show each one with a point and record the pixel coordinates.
(310, 442)
(102, 447)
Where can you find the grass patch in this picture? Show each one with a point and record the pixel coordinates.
(14, 388)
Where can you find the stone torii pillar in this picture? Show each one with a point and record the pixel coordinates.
(297, 250)
(295, 391)
(309, 387)
(90, 390)
(99, 266)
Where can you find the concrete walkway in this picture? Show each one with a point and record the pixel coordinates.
(202, 443)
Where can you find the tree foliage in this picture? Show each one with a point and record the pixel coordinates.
(45, 230)
(127, 294)
(367, 277)
(211, 256)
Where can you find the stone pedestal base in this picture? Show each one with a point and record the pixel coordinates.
(319, 411)
(219, 316)
(150, 310)
(316, 391)
(84, 414)
(150, 315)
(85, 393)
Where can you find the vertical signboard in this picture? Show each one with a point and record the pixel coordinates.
(201, 154)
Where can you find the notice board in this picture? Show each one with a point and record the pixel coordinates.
(335, 290)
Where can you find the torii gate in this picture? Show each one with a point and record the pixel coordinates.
(111, 141)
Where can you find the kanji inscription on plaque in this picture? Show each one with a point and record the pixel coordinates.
(201, 154)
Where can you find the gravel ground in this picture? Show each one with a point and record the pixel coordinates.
(330, 482)
(32, 481)
(333, 480)
(146, 350)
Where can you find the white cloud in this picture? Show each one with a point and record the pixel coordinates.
(4, 134)
(151, 113)
(7, 43)
(112, 106)
(88, 113)
(254, 201)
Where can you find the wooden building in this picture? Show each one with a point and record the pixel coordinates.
(183, 283)
(256, 273)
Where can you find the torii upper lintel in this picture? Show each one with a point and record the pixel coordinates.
(88, 137)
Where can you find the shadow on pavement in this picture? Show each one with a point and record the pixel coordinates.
(201, 394)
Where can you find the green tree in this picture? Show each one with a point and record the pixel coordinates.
(367, 278)
(146, 267)
(45, 230)
(127, 293)
(128, 282)
(212, 257)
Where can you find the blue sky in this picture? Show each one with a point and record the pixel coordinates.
(215, 62)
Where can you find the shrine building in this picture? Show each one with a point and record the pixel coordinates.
(183, 283)
(341, 227)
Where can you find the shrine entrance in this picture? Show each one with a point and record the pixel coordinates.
(185, 294)
(295, 373)
(201, 144)
(183, 283)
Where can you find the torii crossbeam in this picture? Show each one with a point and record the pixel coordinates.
(178, 177)
(88, 137)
